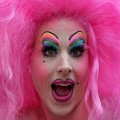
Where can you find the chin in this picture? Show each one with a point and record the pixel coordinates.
(62, 112)
(61, 109)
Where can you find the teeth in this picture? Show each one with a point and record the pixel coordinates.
(64, 85)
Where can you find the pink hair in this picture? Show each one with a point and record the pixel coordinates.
(19, 22)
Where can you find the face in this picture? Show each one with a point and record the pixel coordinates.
(60, 65)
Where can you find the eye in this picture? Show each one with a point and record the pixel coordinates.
(77, 48)
(77, 51)
(49, 48)
(49, 51)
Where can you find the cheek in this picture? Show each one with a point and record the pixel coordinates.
(39, 71)
(82, 69)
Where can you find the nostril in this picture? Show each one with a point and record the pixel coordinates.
(60, 71)
(64, 71)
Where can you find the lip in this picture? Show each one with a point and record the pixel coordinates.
(62, 91)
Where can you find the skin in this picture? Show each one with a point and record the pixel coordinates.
(45, 70)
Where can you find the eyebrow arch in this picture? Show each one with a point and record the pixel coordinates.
(74, 34)
(50, 33)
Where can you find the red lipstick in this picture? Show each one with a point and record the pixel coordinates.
(62, 91)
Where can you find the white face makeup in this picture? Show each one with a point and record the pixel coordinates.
(60, 65)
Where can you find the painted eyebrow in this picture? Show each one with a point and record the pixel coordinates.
(74, 34)
(50, 33)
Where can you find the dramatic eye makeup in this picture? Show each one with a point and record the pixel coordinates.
(49, 44)
(77, 44)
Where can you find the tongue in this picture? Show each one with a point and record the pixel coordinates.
(62, 90)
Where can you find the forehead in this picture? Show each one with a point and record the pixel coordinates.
(63, 28)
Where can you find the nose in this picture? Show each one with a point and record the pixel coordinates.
(64, 66)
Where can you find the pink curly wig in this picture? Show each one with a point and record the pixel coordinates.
(19, 22)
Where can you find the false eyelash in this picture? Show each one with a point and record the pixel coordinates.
(79, 49)
(44, 49)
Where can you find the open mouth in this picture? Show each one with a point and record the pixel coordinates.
(62, 90)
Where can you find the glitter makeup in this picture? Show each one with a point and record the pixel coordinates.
(77, 44)
(49, 44)
(52, 36)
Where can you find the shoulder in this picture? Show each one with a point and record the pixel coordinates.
(33, 114)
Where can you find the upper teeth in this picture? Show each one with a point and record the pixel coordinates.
(64, 85)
